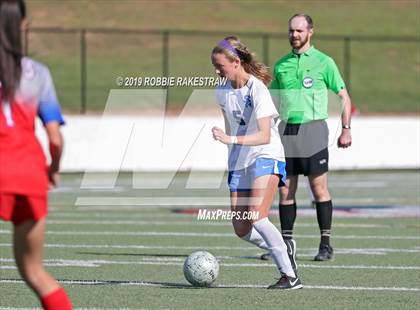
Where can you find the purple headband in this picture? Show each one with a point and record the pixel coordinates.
(226, 45)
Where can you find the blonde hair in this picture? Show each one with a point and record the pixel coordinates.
(232, 48)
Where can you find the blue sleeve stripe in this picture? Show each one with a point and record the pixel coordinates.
(50, 112)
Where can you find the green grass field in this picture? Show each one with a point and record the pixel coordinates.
(111, 256)
(384, 75)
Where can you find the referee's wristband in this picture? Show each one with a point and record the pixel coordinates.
(346, 127)
(233, 140)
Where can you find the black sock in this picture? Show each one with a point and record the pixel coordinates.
(287, 214)
(324, 216)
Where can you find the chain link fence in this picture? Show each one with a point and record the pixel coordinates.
(381, 73)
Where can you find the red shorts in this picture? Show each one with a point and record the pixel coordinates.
(20, 208)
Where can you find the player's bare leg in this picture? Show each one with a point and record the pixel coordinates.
(28, 249)
(319, 187)
(239, 203)
(243, 227)
(288, 192)
(28, 239)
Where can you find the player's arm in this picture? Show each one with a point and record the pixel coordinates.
(216, 131)
(345, 139)
(335, 82)
(49, 112)
(227, 126)
(56, 143)
(261, 137)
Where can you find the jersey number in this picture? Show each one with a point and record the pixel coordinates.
(238, 116)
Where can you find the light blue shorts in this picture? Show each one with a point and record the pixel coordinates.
(242, 180)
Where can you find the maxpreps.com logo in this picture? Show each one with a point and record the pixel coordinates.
(308, 82)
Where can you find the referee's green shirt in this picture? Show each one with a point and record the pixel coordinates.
(301, 83)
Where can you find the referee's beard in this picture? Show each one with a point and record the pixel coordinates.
(298, 43)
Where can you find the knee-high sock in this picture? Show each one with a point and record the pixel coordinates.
(287, 214)
(324, 215)
(276, 245)
(55, 300)
(254, 237)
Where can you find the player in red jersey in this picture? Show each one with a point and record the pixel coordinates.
(27, 91)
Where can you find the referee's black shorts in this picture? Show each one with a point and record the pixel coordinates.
(306, 147)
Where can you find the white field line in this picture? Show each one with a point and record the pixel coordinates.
(14, 308)
(122, 213)
(403, 211)
(128, 222)
(407, 211)
(181, 285)
(197, 234)
(179, 261)
(197, 222)
(77, 212)
(151, 201)
(180, 219)
(128, 187)
(111, 202)
(368, 251)
(194, 221)
(375, 180)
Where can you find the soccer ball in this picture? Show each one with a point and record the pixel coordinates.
(201, 268)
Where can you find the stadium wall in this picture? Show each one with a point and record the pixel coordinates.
(93, 143)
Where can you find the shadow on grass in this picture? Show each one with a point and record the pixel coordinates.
(156, 284)
(252, 257)
(133, 254)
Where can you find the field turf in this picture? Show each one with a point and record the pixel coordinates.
(111, 256)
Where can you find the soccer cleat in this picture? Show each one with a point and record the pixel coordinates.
(286, 283)
(291, 251)
(265, 256)
(325, 253)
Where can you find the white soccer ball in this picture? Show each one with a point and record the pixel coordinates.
(201, 268)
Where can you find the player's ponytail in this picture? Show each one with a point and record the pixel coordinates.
(12, 12)
(232, 47)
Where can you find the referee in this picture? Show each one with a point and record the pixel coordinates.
(301, 80)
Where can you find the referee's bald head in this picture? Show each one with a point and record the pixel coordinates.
(308, 19)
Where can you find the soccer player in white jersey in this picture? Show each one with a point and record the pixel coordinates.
(256, 156)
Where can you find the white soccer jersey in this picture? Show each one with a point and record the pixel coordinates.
(242, 108)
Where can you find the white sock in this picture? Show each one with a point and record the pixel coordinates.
(276, 245)
(254, 237)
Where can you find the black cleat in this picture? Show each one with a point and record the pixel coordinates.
(291, 251)
(265, 256)
(325, 253)
(286, 283)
